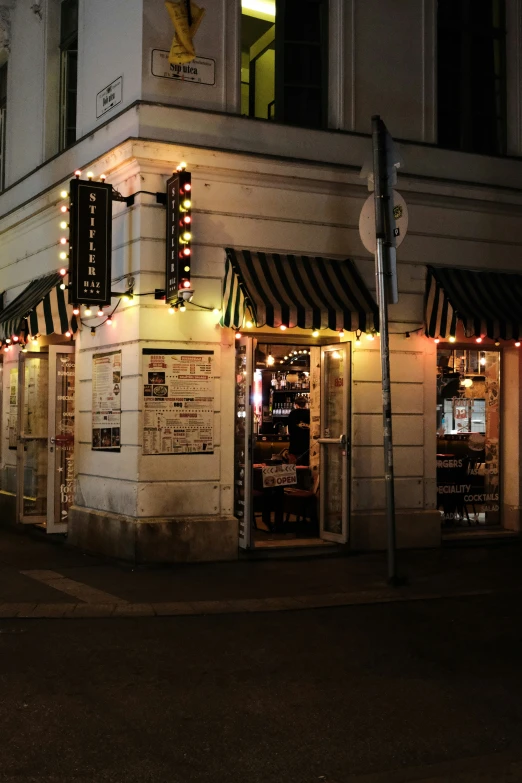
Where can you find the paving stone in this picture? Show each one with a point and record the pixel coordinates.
(93, 610)
(212, 607)
(51, 610)
(13, 610)
(169, 609)
(133, 610)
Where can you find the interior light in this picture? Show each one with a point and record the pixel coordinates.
(336, 355)
(281, 361)
(369, 336)
(357, 342)
(63, 194)
(270, 359)
(467, 383)
(286, 358)
(262, 9)
(483, 359)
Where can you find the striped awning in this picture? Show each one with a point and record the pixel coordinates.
(41, 308)
(305, 291)
(487, 303)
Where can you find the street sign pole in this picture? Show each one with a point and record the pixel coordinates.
(383, 228)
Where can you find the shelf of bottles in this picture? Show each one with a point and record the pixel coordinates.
(285, 387)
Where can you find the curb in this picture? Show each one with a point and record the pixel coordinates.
(54, 611)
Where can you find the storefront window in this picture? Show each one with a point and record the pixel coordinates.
(468, 436)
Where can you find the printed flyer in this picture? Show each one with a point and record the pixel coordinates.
(106, 401)
(178, 402)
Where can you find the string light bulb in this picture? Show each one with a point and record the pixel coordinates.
(64, 209)
(63, 271)
(68, 333)
(64, 194)
(109, 321)
(315, 333)
(497, 343)
(341, 334)
(63, 256)
(369, 336)
(283, 327)
(103, 177)
(172, 310)
(88, 312)
(517, 344)
(436, 341)
(93, 331)
(100, 313)
(90, 175)
(182, 308)
(216, 311)
(187, 203)
(451, 338)
(15, 338)
(62, 286)
(64, 225)
(249, 324)
(77, 173)
(478, 340)
(35, 338)
(76, 311)
(238, 335)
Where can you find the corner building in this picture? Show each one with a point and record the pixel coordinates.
(273, 120)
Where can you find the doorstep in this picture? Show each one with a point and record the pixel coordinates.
(303, 547)
(484, 535)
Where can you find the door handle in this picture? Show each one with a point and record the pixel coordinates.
(341, 441)
(52, 440)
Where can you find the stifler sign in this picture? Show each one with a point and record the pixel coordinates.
(90, 242)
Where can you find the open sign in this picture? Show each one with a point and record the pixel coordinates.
(279, 476)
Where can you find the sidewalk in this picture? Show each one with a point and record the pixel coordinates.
(39, 578)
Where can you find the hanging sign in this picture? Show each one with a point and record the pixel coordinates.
(178, 401)
(179, 234)
(279, 476)
(90, 242)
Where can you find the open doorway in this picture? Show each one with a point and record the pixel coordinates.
(292, 443)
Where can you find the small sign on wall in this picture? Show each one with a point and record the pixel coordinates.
(106, 401)
(201, 70)
(109, 97)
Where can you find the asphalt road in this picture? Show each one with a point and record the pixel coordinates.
(323, 695)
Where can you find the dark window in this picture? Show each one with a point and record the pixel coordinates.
(471, 72)
(3, 116)
(284, 66)
(69, 71)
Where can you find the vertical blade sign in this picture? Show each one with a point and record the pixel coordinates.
(179, 235)
(90, 240)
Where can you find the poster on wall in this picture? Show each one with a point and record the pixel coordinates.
(13, 408)
(106, 401)
(178, 402)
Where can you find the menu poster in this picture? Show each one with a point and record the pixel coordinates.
(178, 401)
(12, 425)
(106, 401)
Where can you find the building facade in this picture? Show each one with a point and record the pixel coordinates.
(272, 119)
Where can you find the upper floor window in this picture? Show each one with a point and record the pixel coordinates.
(3, 117)
(68, 71)
(471, 70)
(284, 61)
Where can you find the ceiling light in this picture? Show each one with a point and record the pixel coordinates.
(261, 9)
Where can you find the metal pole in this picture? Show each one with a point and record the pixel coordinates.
(381, 193)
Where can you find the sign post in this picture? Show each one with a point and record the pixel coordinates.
(385, 233)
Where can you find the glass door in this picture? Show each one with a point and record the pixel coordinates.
(61, 481)
(243, 506)
(33, 429)
(334, 484)
(45, 449)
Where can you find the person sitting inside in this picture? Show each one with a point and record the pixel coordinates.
(299, 432)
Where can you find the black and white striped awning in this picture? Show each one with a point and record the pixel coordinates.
(487, 303)
(40, 309)
(305, 291)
